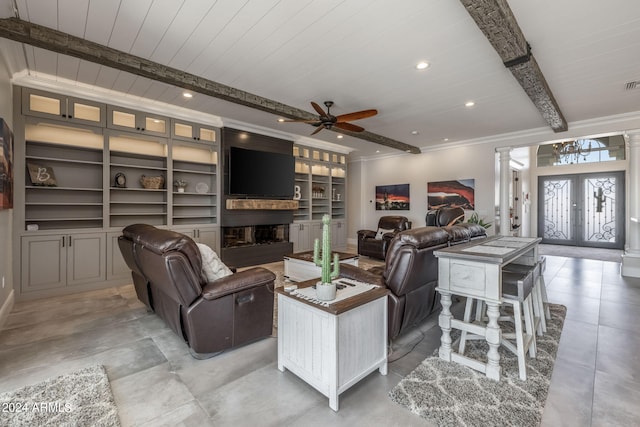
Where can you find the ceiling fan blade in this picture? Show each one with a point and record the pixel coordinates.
(320, 127)
(302, 121)
(319, 110)
(349, 127)
(356, 116)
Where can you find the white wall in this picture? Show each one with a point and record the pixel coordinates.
(477, 162)
(6, 215)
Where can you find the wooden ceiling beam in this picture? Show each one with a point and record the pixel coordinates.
(496, 20)
(67, 44)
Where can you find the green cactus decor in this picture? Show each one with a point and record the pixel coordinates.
(325, 261)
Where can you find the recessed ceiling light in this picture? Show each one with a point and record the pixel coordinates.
(377, 151)
(281, 120)
(469, 104)
(187, 95)
(446, 139)
(422, 65)
(414, 132)
(340, 136)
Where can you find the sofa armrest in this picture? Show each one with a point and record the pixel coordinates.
(237, 282)
(348, 271)
(363, 234)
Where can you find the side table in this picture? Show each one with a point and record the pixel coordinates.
(332, 348)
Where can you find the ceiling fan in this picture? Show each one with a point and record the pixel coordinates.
(327, 120)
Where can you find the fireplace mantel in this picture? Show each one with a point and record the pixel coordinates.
(262, 204)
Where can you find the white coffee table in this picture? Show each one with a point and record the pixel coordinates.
(332, 348)
(300, 266)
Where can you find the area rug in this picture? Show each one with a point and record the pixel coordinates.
(81, 398)
(449, 394)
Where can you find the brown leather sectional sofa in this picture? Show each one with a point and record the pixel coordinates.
(210, 316)
(410, 272)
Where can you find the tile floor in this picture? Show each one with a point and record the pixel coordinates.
(596, 380)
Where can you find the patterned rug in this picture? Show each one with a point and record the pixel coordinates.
(81, 398)
(449, 394)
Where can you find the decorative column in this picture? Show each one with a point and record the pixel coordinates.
(631, 256)
(505, 181)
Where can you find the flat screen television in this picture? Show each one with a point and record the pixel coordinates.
(260, 173)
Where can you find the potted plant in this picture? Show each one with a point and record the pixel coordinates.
(180, 184)
(325, 288)
(475, 219)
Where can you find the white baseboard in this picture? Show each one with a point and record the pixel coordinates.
(6, 309)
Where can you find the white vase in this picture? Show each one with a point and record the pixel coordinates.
(326, 291)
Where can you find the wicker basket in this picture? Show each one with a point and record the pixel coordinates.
(152, 182)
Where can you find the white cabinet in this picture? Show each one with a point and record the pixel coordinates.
(60, 260)
(60, 107)
(192, 131)
(137, 121)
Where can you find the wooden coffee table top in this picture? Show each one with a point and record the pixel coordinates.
(308, 256)
(340, 306)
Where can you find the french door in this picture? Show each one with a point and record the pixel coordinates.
(582, 210)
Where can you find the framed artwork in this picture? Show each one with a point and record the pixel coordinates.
(458, 193)
(392, 197)
(6, 166)
(41, 175)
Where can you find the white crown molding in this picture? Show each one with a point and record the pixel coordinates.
(626, 123)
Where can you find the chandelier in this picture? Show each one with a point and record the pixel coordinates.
(570, 152)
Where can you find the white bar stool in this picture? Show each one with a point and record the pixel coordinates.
(517, 292)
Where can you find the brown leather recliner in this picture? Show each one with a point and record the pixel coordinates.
(452, 220)
(444, 217)
(209, 316)
(411, 275)
(369, 245)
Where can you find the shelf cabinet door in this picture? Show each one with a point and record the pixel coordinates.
(86, 258)
(300, 236)
(116, 266)
(137, 121)
(188, 131)
(61, 107)
(44, 262)
(338, 234)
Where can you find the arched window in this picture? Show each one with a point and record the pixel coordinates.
(586, 150)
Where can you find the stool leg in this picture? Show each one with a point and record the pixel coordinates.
(468, 308)
(530, 326)
(545, 300)
(517, 317)
(538, 309)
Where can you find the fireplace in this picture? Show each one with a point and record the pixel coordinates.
(254, 235)
(246, 245)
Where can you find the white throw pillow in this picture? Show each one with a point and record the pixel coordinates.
(382, 231)
(212, 266)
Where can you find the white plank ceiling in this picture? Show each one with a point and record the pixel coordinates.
(359, 53)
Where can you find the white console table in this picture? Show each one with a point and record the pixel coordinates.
(332, 348)
(474, 270)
